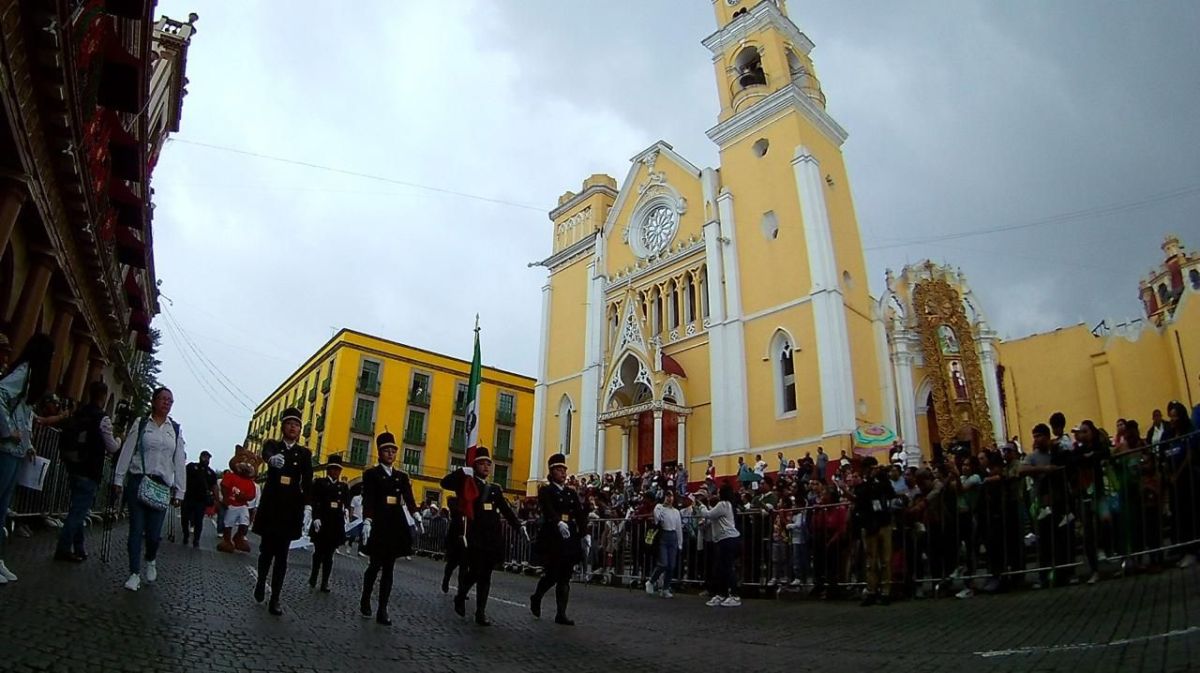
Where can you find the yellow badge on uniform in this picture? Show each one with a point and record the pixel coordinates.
(566, 517)
(335, 505)
(391, 500)
(285, 480)
(487, 506)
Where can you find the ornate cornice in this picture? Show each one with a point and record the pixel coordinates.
(579, 248)
(763, 14)
(788, 98)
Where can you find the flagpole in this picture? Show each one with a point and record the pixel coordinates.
(466, 521)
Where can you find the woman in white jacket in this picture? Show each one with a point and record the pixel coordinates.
(670, 542)
(153, 449)
(727, 538)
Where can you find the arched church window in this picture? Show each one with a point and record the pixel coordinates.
(566, 413)
(657, 322)
(1194, 277)
(673, 305)
(689, 303)
(1164, 294)
(782, 360)
(704, 291)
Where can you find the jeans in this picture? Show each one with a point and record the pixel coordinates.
(800, 562)
(191, 515)
(144, 522)
(9, 464)
(83, 495)
(668, 558)
(727, 553)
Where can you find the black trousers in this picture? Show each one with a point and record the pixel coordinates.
(381, 564)
(557, 574)
(273, 557)
(191, 515)
(477, 572)
(322, 561)
(454, 558)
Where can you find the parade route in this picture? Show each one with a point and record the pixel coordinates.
(199, 616)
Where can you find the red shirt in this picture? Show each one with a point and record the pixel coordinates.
(246, 490)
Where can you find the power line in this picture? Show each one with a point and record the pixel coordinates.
(219, 376)
(217, 399)
(1099, 211)
(359, 174)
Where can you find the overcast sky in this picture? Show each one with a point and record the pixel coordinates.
(964, 116)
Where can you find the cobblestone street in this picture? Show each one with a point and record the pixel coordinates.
(199, 616)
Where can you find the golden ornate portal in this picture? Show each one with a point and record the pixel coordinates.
(959, 401)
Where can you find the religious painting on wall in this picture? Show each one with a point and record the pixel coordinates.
(958, 381)
(947, 340)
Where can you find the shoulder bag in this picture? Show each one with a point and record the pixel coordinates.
(152, 492)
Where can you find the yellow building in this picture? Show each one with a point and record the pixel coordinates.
(357, 385)
(721, 312)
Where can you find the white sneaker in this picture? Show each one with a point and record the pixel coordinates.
(1094, 578)
(151, 571)
(796, 583)
(772, 582)
(703, 594)
(8, 575)
(3, 581)
(133, 582)
(965, 593)
(666, 593)
(649, 588)
(732, 602)
(1045, 512)
(1101, 556)
(1187, 561)
(715, 601)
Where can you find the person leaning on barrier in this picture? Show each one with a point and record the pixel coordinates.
(558, 541)
(1181, 450)
(484, 537)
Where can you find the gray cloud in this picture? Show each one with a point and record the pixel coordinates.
(963, 116)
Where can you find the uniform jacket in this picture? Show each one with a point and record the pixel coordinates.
(384, 499)
(560, 504)
(330, 500)
(484, 532)
(285, 491)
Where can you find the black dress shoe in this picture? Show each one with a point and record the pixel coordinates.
(275, 609)
(324, 588)
(446, 585)
(382, 618)
(562, 619)
(535, 605)
(460, 606)
(260, 592)
(312, 582)
(66, 556)
(365, 608)
(482, 620)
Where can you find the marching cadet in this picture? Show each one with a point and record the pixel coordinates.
(481, 510)
(330, 498)
(454, 544)
(280, 517)
(385, 530)
(559, 539)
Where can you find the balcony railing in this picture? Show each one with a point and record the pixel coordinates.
(312, 395)
(363, 426)
(460, 407)
(506, 417)
(419, 398)
(326, 385)
(411, 468)
(416, 437)
(321, 423)
(458, 443)
(368, 386)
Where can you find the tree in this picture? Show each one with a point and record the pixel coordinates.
(145, 378)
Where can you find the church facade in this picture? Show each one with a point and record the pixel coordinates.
(709, 313)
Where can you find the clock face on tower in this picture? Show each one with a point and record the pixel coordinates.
(658, 230)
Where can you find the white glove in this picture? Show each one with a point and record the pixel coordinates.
(276, 461)
(307, 515)
(366, 531)
(469, 471)
(564, 529)
(316, 526)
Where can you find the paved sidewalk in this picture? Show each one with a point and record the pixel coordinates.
(200, 616)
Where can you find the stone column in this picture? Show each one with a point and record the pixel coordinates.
(29, 305)
(12, 196)
(681, 443)
(60, 332)
(626, 429)
(600, 448)
(991, 389)
(902, 362)
(77, 370)
(658, 414)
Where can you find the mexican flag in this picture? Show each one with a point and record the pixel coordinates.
(470, 491)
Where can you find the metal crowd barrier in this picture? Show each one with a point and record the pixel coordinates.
(1119, 515)
(54, 499)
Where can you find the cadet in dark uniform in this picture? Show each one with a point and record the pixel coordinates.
(558, 541)
(485, 539)
(454, 544)
(280, 517)
(329, 501)
(386, 533)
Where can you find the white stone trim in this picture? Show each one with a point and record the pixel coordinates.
(630, 187)
(540, 390)
(594, 326)
(799, 301)
(829, 317)
(733, 346)
(762, 15)
(773, 106)
(579, 248)
(991, 387)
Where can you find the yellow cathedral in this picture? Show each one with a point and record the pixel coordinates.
(710, 313)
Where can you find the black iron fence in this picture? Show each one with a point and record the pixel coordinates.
(1016, 524)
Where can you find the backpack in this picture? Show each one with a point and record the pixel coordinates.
(78, 436)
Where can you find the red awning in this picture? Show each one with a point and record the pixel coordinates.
(127, 204)
(133, 292)
(120, 80)
(139, 321)
(130, 250)
(670, 366)
(124, 150)
(127, 9)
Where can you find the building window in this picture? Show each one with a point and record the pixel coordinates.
(414, 430)
(456, 463)
(565, 411)
(368, 378)
(657, 323)
(673, 305)
(500, 476)
(364, 417)
(782, 360)
(460, 399)
(689, 304)
(506, 413)
(704, 292)
(1194, 277)
(418, 393)
(503, 444)
(360, 450)
(412, 460)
